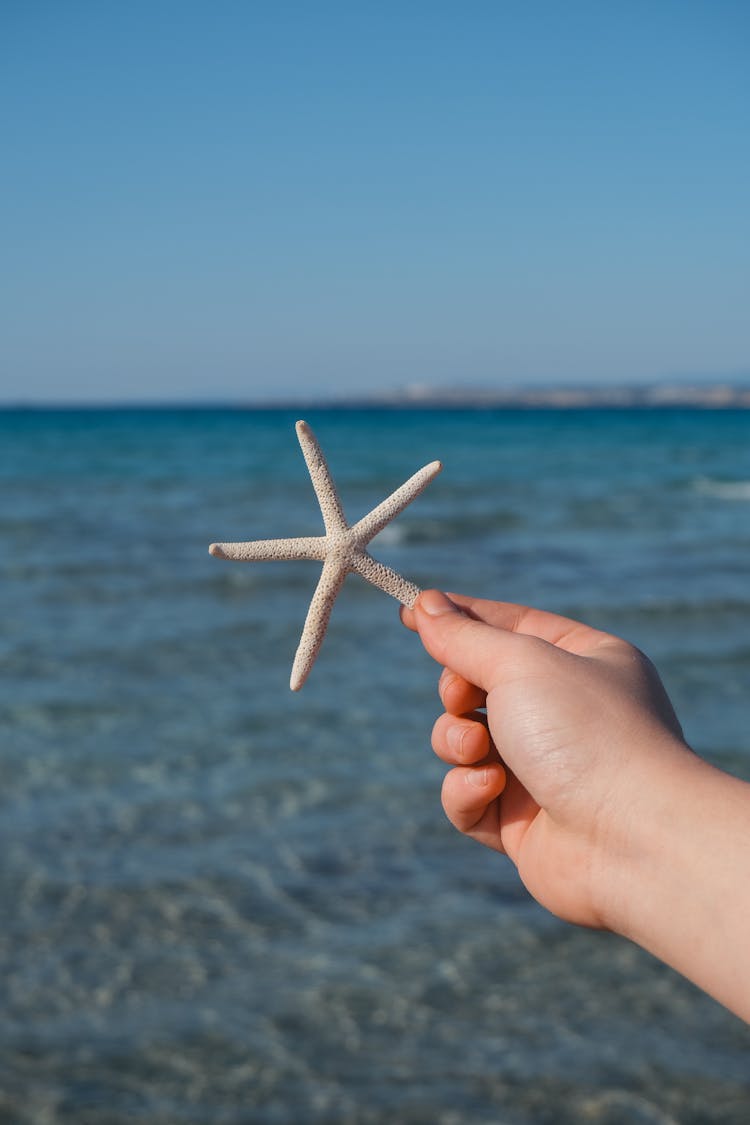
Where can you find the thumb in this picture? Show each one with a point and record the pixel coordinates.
(472, 648)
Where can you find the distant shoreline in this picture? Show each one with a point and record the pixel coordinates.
(661, 396)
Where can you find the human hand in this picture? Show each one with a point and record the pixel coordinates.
(577, 727)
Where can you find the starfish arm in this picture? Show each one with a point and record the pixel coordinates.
(387, 580)
(320, 475)
(318, 615)
(265, 550)
(375, 521)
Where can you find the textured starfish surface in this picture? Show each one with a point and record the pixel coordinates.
(342, 549)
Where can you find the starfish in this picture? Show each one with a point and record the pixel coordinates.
(342, 550)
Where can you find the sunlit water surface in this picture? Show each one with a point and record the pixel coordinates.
(224, 903)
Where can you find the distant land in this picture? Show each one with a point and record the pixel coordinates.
(696, 395)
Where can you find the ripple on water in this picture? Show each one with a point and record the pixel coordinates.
(226, 902)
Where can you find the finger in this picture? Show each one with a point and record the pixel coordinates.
(527, 621)
(470, 801)
(459, 696)
(461, 741)
(551, 627)
(476, 650)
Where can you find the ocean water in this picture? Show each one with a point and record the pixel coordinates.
(224, 903)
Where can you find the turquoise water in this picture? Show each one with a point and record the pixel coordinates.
(226, 903)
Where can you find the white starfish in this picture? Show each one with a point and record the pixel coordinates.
(341, 550)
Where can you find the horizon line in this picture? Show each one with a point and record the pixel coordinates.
(726, 393)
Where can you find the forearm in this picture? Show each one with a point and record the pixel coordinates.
(684, 892)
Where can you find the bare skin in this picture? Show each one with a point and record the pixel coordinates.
(567, 756)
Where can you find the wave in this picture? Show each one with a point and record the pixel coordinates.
(723, 489)
(392, 536)
(452, 529)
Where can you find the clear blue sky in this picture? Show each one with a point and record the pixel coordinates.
(252, 198)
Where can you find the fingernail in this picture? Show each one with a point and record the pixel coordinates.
(435, 603)
(454, 736)
(446, 679)
(477, 778)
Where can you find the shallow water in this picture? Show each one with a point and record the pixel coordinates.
(227, 903)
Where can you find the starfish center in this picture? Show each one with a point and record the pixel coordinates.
(337, 541)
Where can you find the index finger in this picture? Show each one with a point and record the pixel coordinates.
(564, 632)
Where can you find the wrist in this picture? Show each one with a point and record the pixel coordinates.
(681, 886)
(644, 841)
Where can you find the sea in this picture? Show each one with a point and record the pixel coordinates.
(225, 903)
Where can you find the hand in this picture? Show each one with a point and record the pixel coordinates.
(579, 772)
(577, 727)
